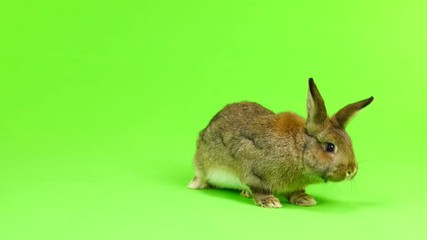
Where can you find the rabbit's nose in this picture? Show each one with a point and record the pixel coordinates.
(351, 171)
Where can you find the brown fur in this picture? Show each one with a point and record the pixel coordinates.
(247, 146)
(288, 123)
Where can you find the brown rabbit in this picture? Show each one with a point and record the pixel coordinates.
(250, 148)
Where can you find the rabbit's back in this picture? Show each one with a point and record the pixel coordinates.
(236, 121)
(237, 116)
(241, 113)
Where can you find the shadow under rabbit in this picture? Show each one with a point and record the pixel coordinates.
(325, 205)
(228, 194)
(331, 205)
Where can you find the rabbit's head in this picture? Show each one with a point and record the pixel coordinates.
(328, 151)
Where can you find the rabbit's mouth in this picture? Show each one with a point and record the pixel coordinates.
(340, 173)
(334, 176)
(339, 176)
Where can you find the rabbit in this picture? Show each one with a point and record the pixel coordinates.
(250, 148)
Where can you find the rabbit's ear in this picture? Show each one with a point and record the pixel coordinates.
(316, 110)
(343, 116)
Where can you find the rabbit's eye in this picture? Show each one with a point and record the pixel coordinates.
(330, 147)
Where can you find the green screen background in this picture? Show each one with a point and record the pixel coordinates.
(101, 103)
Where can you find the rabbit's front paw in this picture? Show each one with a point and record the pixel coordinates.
(268, 201)
(301, 198)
